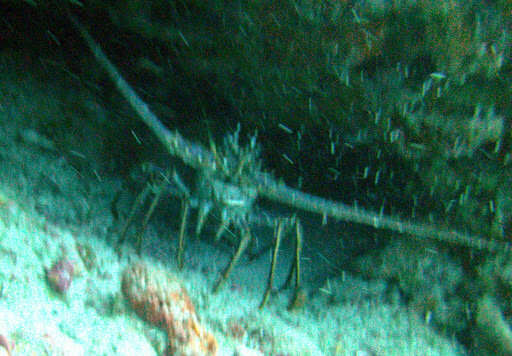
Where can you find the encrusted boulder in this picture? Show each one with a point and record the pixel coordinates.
(158, 297)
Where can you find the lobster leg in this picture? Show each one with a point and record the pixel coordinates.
(183, 227)
(298, 294)
(202, 214)
(149, 213)
(270, 281)
(138, 202)
(244, 242)
(223, 226)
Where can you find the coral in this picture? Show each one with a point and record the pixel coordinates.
(432, 282)
(6, 346)
(87, 255)
(159, 298)
(237, 329)
(60, 275)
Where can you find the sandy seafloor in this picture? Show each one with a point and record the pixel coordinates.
(49, 209)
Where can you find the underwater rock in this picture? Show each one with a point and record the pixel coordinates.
(60, 275)
(159, 298)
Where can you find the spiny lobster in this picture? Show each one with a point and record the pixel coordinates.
(231, 179)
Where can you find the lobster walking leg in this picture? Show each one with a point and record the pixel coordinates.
(183, 227)
(298, 293)
(244, 242)
(149, 213)
(138, 202)
(270, 281)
